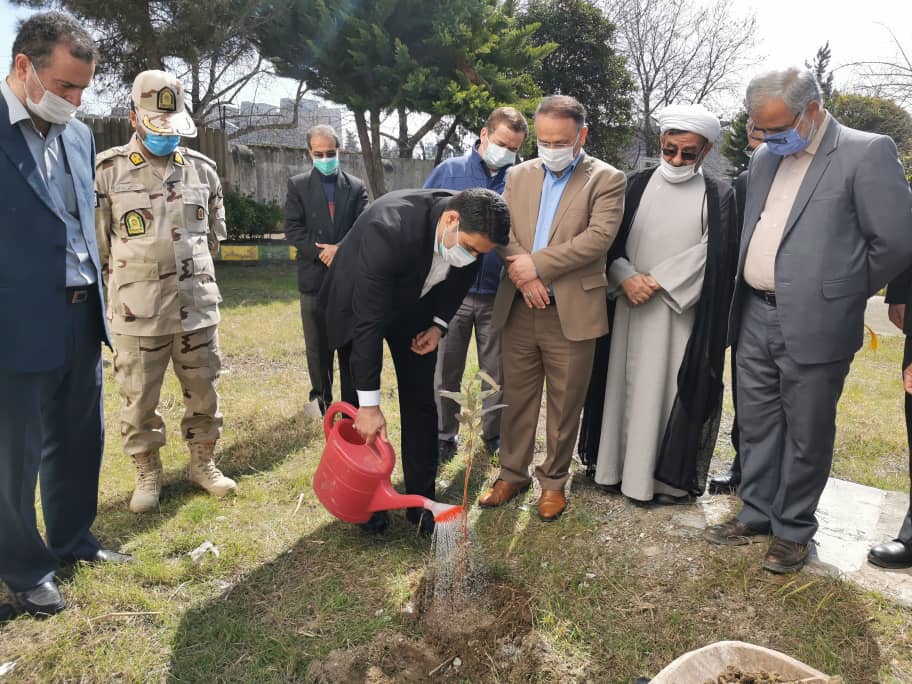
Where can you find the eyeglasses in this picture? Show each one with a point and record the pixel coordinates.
(324, 155)
(672, 152)
(557, 145)
(767, 135)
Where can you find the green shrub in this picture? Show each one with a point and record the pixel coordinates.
(248, 219)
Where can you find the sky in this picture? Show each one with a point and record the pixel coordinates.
(789, 32)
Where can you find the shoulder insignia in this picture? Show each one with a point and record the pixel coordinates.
(137, 159)
(135, 223)
(190, 152)
(166, 101)
(179, 159)
(109, 153)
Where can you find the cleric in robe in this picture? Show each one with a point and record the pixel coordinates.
(654, 400)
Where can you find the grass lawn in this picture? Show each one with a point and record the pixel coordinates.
(613, 591)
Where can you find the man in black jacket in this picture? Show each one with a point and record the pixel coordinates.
(400, 275)
(320, 209)
(898, 553)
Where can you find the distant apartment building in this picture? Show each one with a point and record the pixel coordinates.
(252, 114)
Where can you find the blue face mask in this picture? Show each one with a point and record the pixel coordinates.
(788, 142)
(326, 166)
(160, 145)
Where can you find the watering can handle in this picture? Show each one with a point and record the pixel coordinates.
(339, 408)
(387, 455)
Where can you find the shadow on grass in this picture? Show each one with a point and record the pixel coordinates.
(330, 590)
(261, 451)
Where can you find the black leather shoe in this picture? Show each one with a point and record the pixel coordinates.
(377, 523)
(669, 500)
(895, 555)
(107, 556)
(7, 612)
(610, 489)
(445, 450)
(725, 483)
(41, 601)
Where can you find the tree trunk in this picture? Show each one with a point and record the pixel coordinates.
(370, 150)
(442, 144)
(402, 142)
(650, 139)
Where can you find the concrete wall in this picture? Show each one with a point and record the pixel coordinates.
(262, 171)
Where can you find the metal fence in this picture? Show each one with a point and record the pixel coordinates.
(112, 131)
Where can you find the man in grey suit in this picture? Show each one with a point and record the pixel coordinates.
(827, 222)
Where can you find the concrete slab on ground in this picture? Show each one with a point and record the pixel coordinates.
(876, 317)
(852, 518)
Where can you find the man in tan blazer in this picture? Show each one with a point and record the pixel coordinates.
(565, 208)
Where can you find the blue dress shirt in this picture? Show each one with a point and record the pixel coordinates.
(552, 191)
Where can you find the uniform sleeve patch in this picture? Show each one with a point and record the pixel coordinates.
(137, 159)
(135, 223)
(200, 214)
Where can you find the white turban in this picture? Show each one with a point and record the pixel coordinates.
(694, 118)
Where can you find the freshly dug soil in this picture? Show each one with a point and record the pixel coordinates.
(732, 675)
(490, 638)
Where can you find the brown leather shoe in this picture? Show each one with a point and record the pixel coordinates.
(500, 493)
(784, 556)
(733, 533)
(551, 504)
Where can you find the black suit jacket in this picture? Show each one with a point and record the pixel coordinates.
(307, 220)
(899, 291)
(740, 188)
(374, 284)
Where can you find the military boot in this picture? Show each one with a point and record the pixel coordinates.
(148, 482)
(203, 472)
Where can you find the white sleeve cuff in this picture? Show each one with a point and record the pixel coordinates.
(442, 323)
(369, 397)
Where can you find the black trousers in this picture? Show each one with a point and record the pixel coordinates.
(735, 433)
(905, 534)
(417, 408)
(51, 427)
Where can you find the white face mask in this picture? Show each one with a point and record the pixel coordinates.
(497, 157)
(557, 159)
(51, 108)
(456, 256)
(678, 174)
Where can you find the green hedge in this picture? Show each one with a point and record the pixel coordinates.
(248, 219)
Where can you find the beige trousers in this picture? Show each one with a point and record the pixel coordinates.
(535, 352)
(139, 369)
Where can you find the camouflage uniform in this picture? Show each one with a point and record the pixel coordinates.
(157, 237)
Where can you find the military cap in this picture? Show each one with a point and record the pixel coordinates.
(158, 98)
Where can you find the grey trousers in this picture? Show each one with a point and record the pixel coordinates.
(475, 311)
(787, 424)
(319, 355)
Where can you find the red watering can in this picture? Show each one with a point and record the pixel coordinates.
(353, 478)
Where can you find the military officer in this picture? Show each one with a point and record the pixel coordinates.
(159, 218)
